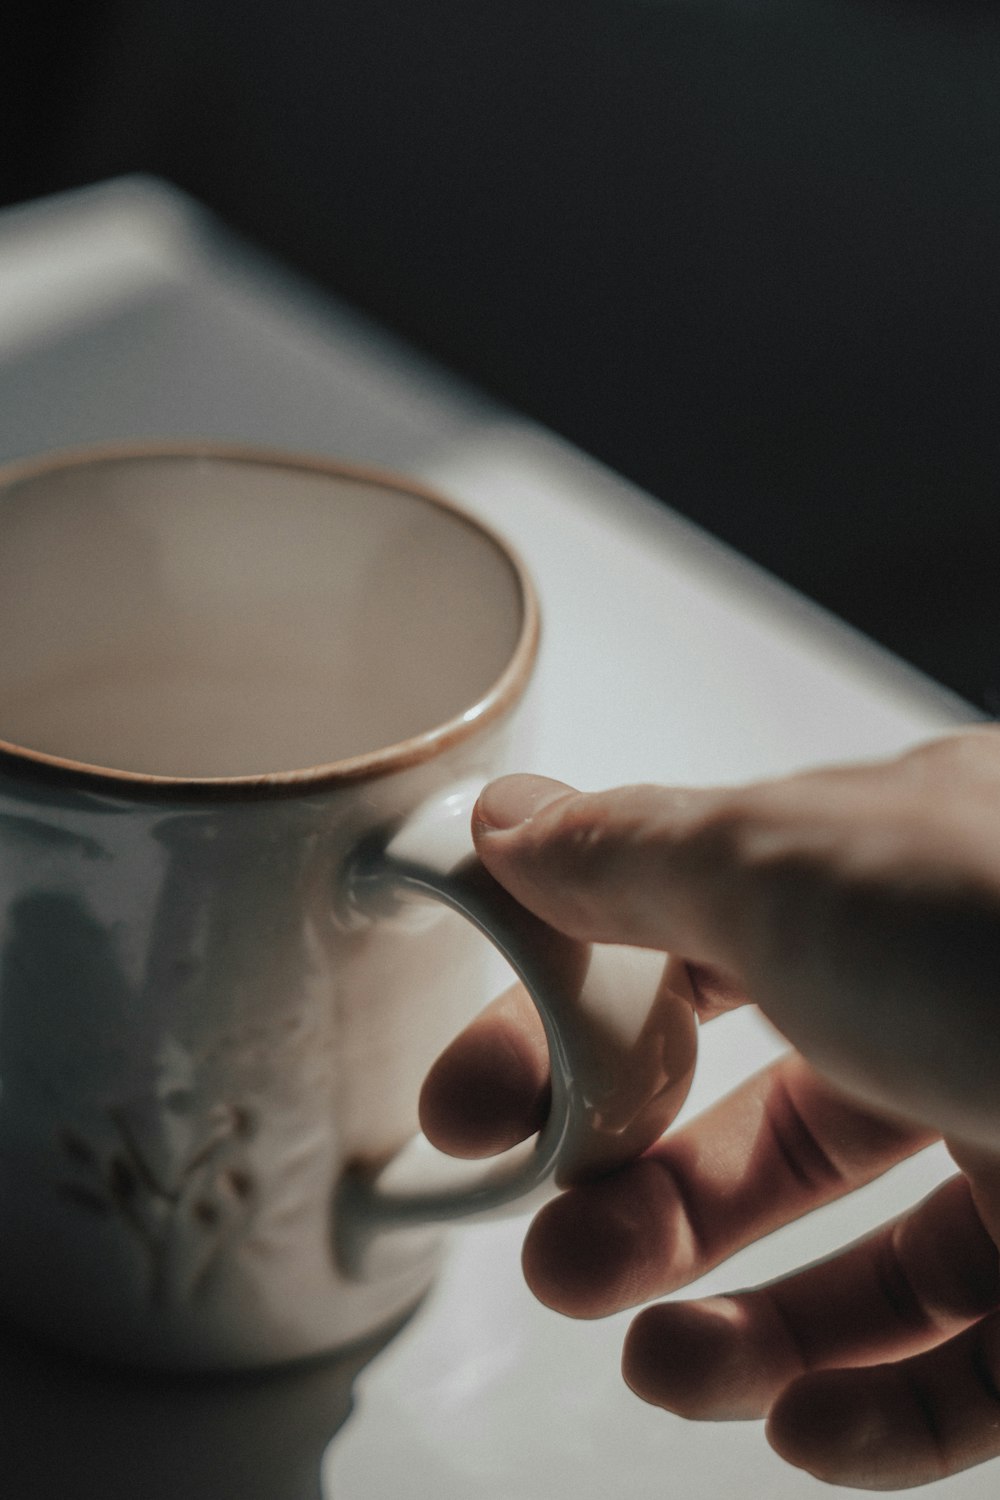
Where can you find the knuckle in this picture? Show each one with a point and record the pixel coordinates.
(972, 755)
(761, 864)
(799, 1146)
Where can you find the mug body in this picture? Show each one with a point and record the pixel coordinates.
(221, 673)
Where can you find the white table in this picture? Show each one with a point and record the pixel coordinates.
(665, 658)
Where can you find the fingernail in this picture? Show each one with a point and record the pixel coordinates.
(513, 800)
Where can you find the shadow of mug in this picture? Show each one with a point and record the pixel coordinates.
(72, 1428)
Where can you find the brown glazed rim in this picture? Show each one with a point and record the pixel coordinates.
(497, 701)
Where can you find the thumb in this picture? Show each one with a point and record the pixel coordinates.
(639, 865)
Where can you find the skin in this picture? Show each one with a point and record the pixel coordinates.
(859, 908)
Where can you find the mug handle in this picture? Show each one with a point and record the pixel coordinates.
(619, 1024)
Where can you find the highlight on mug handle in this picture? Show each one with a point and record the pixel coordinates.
(621, 1041)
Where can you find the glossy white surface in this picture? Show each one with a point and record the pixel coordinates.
(50, 279)
(663, 658)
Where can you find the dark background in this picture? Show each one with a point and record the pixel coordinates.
(745, 251)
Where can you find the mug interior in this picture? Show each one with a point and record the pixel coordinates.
(218, 616)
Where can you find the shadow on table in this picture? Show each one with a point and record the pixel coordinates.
(70, 1428)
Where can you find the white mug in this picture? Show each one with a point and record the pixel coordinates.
(246, 701)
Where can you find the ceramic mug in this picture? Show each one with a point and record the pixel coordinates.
(246, 701)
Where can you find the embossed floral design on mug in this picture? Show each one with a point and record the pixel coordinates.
(246, 700)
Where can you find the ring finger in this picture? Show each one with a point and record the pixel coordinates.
(910, 1285)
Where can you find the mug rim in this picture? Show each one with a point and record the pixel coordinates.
(493, 704)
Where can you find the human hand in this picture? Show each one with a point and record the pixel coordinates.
(860, 909)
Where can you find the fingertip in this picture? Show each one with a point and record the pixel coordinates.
(693, 1359)
(835, 1427)
(510, 801)
(568, 1258)
(490, 1088)
(602, 1246)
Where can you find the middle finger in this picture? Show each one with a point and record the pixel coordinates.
(904, 1288)
(783, 1143)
